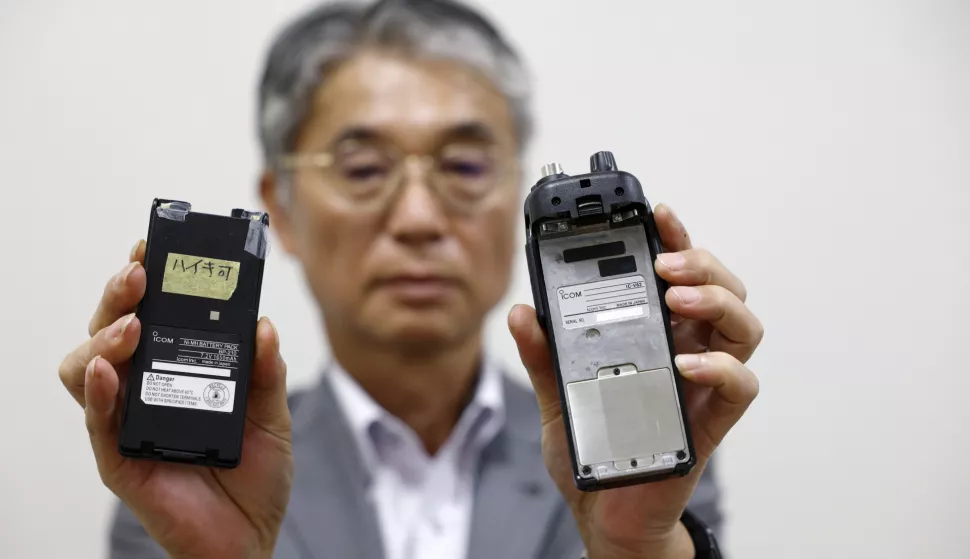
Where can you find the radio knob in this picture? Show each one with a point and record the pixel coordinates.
(602, 161)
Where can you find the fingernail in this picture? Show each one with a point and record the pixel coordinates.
(122, 276)
(688, 362)
(134, 250)
(127, 271)
(91, 368)
(276, 333)
(667, 207)
(127, 321)
(687, 295)
(515, 320)
(672, 260)
(118, 328)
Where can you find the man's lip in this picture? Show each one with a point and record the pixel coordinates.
(418, 288)
(416, 278)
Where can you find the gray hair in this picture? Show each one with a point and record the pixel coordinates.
(313, 44)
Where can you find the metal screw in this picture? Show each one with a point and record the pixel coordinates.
(633, 463)
(586, 470)
(556, 201)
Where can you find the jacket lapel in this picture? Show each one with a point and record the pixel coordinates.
(329, 515)
(516, 501)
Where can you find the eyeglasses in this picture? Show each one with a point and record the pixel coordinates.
(466, 176)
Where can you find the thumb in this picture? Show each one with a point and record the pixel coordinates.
(267, 405)
(673, 234)
(534, 352)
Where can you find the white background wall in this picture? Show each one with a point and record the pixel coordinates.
(821, 149)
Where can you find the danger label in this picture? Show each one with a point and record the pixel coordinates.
(198, 393)
(600, 302)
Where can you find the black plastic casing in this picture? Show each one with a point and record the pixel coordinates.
(189, 435)
(555, 198)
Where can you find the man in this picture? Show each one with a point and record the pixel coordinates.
(392, 136)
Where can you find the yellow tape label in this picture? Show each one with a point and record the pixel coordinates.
(200, 276)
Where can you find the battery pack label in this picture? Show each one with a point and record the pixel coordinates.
(179, 391)
(600, 302)
(200, 277)
(194, 352)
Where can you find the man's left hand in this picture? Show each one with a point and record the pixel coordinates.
(715, 333)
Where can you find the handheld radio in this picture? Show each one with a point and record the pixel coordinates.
(591, 246)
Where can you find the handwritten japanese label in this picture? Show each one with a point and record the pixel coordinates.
(200, 276)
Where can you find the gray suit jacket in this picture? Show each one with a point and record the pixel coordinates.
(518, 512)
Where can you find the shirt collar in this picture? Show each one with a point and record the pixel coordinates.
(358, 407)
(363, 412)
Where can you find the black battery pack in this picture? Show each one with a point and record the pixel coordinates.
(188, 381)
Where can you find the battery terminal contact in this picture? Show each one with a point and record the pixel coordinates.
(553, 227)
(621, 216)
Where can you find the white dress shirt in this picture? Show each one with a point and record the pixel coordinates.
(423, 503)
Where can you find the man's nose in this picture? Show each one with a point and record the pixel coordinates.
(416, 215)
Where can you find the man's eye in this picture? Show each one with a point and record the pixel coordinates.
(465, 168)
(366, 172)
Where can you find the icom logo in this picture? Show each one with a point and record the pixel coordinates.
(563, 294)
(161, 339)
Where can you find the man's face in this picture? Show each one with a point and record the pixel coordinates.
(414, 271)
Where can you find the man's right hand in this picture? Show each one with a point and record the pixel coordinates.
(182, 506)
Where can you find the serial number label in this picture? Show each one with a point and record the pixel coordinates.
(600, 302)
(179, 391)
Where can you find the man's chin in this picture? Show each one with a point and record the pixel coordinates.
(418, 329)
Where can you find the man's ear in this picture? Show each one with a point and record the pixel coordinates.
(279, 215)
